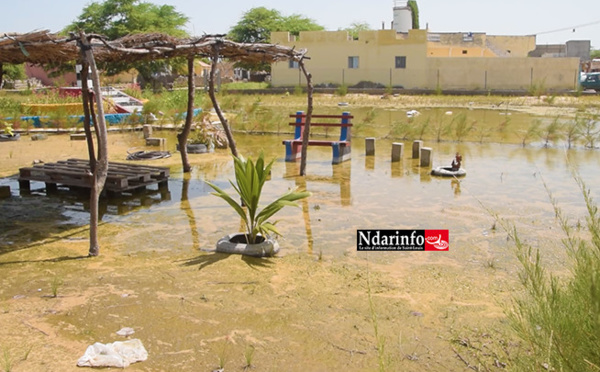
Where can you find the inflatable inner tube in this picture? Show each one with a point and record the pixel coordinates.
(448, 172)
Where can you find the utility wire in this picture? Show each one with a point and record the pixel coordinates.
(569, 28)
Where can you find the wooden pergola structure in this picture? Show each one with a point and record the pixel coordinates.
(43, 47)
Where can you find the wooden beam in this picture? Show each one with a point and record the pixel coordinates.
(309, 110)
(213, 98)
(183, 136)
(101, 171)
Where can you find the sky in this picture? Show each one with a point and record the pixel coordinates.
(552, 21)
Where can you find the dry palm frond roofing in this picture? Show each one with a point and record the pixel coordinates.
(42, 47)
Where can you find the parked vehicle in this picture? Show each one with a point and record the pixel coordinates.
(591, 81)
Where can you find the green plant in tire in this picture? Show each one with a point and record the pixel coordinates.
(250, 178)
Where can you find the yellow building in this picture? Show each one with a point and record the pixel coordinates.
(418, 59)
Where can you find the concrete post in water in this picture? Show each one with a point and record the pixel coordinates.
(370, 146)
(147, 128)
(417, 149)
(397, 151)
(154, 141)
(426, 156)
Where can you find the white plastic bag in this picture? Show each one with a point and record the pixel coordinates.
(118, 354)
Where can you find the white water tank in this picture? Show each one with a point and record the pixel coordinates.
(402, 16)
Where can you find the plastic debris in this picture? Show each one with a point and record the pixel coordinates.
(117, 354)
(125, 331)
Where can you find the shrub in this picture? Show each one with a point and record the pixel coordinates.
(560, 318)
(342, 90)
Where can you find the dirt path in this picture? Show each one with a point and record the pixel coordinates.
(198, 310)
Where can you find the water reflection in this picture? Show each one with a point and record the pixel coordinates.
(340, 175)
(78, 200)
(362, 193)
(301, 184)
(369, 162)
(397, 168)
(127, 203)
(455, 187)
(186, 207)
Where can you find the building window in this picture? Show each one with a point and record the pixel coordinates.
(401, 62)
(464, 51)
(293, 64)
(352, 62)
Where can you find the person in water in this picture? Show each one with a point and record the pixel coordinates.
(456, 162)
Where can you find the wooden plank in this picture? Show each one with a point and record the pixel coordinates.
(323, 124)
(158, 171)
(76, 173)
(324, 116)
(146, 172)
(319, 143)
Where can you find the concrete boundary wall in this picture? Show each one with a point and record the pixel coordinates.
(502, 73)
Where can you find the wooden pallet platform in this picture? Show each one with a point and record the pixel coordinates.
(76, 173)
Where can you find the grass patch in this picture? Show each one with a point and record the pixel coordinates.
(245, 86)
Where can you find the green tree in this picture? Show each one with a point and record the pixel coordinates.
(257, 24)
(414, 9)
(12, 72)
(357, 27)
(117, 18)
(595, 53)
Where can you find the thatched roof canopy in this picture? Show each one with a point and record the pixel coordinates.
(43, 47)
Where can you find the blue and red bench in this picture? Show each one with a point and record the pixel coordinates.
(341, 148)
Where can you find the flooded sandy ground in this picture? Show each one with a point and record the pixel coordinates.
(320, 305)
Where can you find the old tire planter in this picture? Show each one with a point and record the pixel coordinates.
(8, 137)
(236, 244)
(195, 148)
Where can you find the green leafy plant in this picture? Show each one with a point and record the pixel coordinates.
(8, 129)
(298, 90)
(250, 178)
(462, 128)
(7, 360)
(533, 132)
(202, 135)
(342, 90)
(553, 132)
(55, 285)
(249, 356)
(573, 131)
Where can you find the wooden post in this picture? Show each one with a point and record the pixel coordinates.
(85, 96)
(309, 110)
(101, 171)
(183, 136)
(213, 98)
